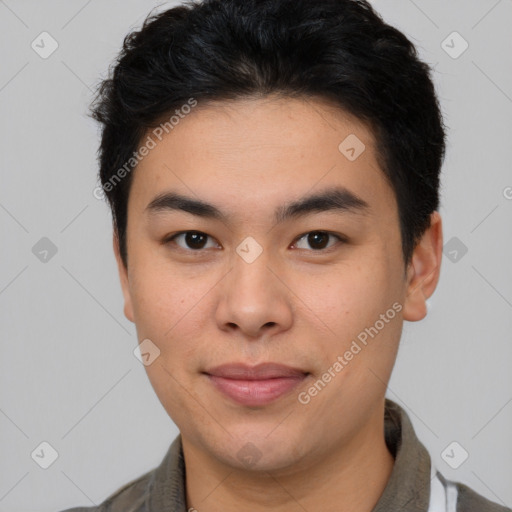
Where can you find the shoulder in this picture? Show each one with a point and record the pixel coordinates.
(151, 490)
(470, 501)
(131, 497)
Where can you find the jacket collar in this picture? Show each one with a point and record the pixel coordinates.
(408, 488)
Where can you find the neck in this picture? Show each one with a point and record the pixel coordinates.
(347, 478)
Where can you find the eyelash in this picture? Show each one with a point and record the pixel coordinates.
(341, 239)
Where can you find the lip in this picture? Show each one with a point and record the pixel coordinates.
(255, 385)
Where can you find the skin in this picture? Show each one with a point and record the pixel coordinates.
(294, 304)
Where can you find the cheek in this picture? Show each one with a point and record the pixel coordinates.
(348, 306)
(172, 312)
(168, 312)
(349, 298)
(169, 387)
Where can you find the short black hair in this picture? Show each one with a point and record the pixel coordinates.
(220, 50)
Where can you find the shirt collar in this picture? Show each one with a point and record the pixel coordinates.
(407, 489)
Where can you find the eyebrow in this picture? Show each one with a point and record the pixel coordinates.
(338, 199)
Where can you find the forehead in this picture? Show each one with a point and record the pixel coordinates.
(252, 151)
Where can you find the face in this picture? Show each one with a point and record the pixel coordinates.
(261, 272)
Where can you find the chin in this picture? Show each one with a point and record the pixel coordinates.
(255, 450)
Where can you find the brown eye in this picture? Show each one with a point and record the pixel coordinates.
(318, 240)
(193, 240)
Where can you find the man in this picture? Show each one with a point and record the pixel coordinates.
(273, 173)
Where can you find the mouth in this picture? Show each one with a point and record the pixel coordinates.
(255, 386)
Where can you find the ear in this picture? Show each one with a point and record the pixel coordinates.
(123, 277)
(424, 270)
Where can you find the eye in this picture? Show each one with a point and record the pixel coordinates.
(193, 240)
(318, 240)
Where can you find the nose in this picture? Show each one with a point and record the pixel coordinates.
(254, 299)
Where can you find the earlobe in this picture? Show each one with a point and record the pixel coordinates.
(123, 277)
(424, 270)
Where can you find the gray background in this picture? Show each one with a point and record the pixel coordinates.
(68, 373)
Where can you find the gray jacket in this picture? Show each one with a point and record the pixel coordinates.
(414, 485)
